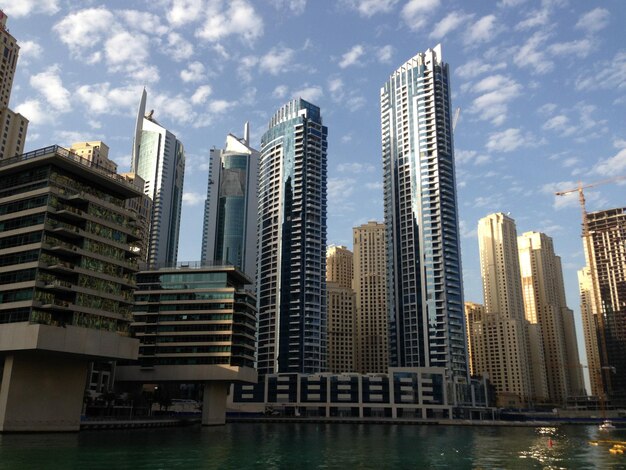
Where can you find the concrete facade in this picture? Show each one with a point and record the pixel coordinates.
(500, 337)
(370, 286)
(66, 265)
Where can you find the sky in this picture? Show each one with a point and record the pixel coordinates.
(541, 85)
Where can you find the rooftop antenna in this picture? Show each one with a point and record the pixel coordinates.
(246, 133)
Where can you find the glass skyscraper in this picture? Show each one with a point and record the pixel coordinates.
(426, 318)
(291, 283)
(159, 158)
(229, 234)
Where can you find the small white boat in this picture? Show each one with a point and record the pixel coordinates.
(606, 426)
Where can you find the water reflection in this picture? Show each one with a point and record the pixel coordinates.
(279, 446)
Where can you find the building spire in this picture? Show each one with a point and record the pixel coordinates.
(141, 112)
(246, 133)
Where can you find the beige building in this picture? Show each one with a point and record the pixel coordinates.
(545, 307)
(370, 286)
(13, 126)
(339, 265)
(474, 315)
(341, 304)
(503, 339)
(588, 308)
(96, 152)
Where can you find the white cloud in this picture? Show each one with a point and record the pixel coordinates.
(191, 198)
(100, 98)
(184, 11)
(510, 3)
(297, 7)
(467, 232)
(29, 50)
(530, 56)
(507, 140)
(615, 165)
(84, 29)
(355, 167)
(237, 18)
(483, 30)
(34, 112)
(580, 48)
(49, 84)
(369, 8)
(339, 189)
(415, 12)
(277, 60)
(177, 47)
(496, 91)
(352, 56)
(594, 20)
(376, 185)
(201, 94)
(220, 106)
(476, 67)
(143, 21)
(67, 138)
(466, 157)
(193, 73)
(607, 74)
(560, 124)
(18, 8)
(534, 19)
(280, 91)
(128, 53)
(449, 23)
(309, 93)
(384, 54)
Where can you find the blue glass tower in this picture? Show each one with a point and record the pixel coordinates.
(291, 268)
(229, 234)
(426, 317)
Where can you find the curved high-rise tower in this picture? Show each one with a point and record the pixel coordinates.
(426, 325)
(291, 267)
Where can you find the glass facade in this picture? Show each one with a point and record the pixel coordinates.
(291, 284)
(190, 316)
(426, 320)
(159, 159)
(230, 212)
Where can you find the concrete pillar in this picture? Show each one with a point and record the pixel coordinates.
(41, 392)
(214, 403)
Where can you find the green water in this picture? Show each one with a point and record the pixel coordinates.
(294, 446)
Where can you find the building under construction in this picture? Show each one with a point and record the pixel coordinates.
(603, 303)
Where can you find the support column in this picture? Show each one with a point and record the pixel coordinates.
(41, 392)
(214, 403)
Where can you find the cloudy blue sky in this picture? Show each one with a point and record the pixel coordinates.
(541, 85)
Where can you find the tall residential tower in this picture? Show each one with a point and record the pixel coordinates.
(13, 124)
(370, 286)
(229, 233)
(291, 285)
(425, 291)
(159, 158)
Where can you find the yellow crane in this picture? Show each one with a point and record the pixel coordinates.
(603, 381)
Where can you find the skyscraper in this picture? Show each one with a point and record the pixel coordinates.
(159, 158)
(340, 334)
(425, 290)
(500, 343)
(229, 233)
(603, 303)
(14, 125)
(370, 286)
(544, 303)
(291, 285)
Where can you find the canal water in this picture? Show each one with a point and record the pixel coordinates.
(323, 446)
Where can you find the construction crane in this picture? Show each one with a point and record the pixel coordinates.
(599, 379)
